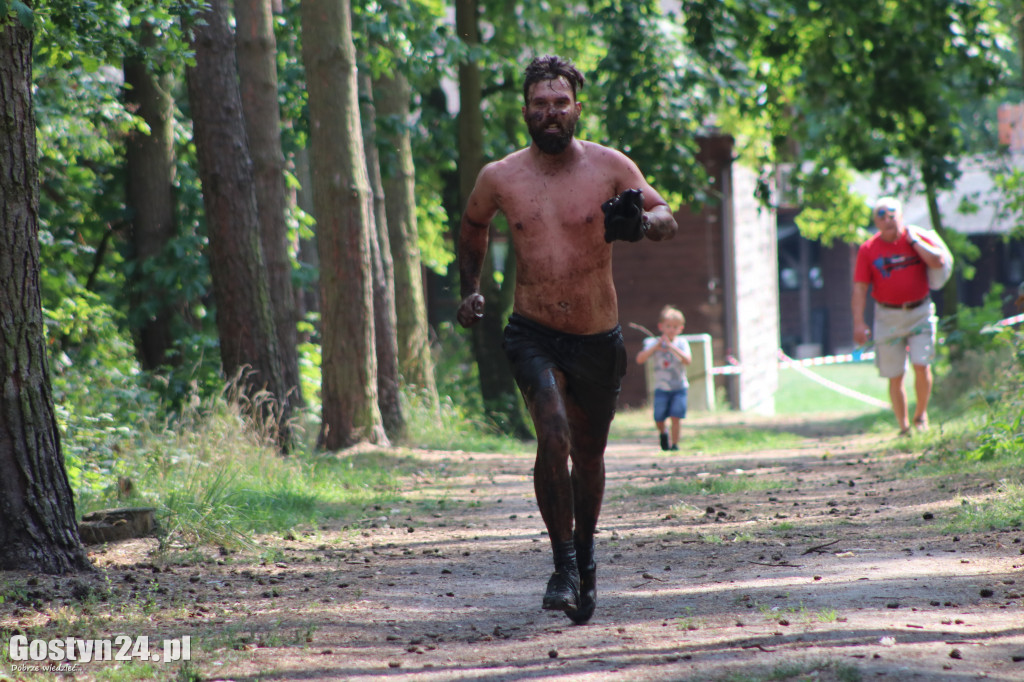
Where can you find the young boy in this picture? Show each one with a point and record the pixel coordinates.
(671, 354)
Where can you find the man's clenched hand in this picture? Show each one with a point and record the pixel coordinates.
(470, 310)
(624, 217)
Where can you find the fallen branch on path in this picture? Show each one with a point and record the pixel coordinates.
(818, 548)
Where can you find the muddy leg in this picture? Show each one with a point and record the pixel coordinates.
(589, 439)
(553, 487)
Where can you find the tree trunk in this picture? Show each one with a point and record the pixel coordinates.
(388, 384)
(392, 96)
(344, 214)
(37, 510)
(245, 325)
(257, 71)
(497, 384)
(150, 172)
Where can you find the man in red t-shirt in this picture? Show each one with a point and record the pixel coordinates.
(894, 264)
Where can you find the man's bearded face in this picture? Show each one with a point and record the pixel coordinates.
(551, 115)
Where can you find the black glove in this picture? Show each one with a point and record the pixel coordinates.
(623, 217)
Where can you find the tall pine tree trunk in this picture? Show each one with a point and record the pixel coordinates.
(150, 173)
(497, 384)
(257, 71)
(392, 96)
(388, 383)
(37, 510)
(344, 215)
(245, 325)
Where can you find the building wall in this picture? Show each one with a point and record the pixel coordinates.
(721, 270)
(685, 271)
(753, 319)
(1000, 260)
(831, 323)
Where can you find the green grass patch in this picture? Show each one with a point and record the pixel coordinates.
(637, 424)
(798, 394)
(825, 410)
(705, 485)
(1005, 509)
(216, 479)
(738, 438)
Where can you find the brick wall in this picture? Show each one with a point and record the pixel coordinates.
(721, 270)
(685, 271)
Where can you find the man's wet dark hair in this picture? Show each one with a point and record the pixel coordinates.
(551, 67)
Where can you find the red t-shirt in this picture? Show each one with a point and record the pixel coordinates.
(894, 270)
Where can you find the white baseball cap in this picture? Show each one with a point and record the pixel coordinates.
(889, 204)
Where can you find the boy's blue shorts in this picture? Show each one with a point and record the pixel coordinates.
(669, 404)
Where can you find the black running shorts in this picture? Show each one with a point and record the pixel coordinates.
(593, 364)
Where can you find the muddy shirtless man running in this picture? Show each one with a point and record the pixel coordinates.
(566, 201)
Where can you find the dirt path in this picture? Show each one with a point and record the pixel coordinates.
(839, 571)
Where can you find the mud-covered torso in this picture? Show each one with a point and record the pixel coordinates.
(563, 264)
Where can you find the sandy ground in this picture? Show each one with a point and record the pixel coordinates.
(840, 570)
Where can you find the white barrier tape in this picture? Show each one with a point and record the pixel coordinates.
(1010, 321)
(838, 388)
(786, 361)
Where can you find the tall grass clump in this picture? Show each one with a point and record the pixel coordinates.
(984, 384)
(1004, 509)
(215, 475)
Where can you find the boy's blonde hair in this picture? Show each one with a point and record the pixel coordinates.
(671, 314)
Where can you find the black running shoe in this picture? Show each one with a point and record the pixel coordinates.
(588, 597)
(563, 593)
(664, 441)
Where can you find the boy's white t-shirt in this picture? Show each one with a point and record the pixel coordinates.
(669, 371)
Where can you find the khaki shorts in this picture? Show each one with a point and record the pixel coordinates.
(899, 332)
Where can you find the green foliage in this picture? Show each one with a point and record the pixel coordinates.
(832, 211)
(1010, 184)
(80, 127)
(654, 96)
(100, 396)
(984, 391)
(463, 420)
(975, 329)
(1001, 437)
(74, 34)
(22, 12)
(310, 361)
(405, 35)
(830, 84)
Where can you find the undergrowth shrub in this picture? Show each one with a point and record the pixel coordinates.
(983, 388)
(100, 396)
(976, 358)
